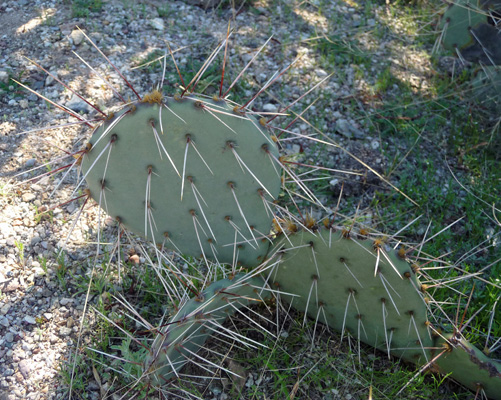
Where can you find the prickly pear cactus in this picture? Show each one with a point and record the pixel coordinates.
(472, 29)
(187, 331)
(354, 284)
(468, 365)
(190, 173)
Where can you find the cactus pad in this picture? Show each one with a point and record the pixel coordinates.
(472, 29)
(468, 365)
(189, 173)
(337, 281)
(186, 332)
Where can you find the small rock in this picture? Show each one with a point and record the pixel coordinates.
(157, 23)
(35, 240)
(343, 127)
(96, 37)
(250, 381)
(64, 301)
(64, 331)
(320, 72)
(76, 37)
(27, 197)
(5, 308)
(375, 144)
(78, 105)
(4, 77)
(6, 229)
(71, 207)
(67, 28)
(9, 286)
(24, 368)
(9, 337)
(30, 163)
(4, 322)
(23, 103)
(270, 107)
(30, 320)
(50, 79)
(333, 183)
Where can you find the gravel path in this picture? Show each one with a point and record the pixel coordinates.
(40, 301)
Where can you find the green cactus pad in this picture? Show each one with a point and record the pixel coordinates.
(458, 17)
(187, 331)
(334, 276)
(469, 366)
(139, 157)
(469, 27)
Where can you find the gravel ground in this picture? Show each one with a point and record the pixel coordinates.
(39, 315)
